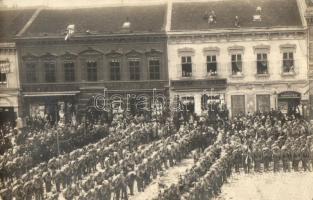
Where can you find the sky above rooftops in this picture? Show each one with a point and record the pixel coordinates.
(74, 3)
(82, 3)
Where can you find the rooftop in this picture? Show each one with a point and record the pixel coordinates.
(103, 20)
(12, 21)
(274, 13)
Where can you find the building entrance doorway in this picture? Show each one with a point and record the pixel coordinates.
(289, 103)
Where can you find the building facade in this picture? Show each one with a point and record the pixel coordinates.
(12, 21)
(244, 56)
(117, 53)
(309, 18)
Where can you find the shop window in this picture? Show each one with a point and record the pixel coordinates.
(154, 68)
(134, 69)
(186, 65)
(211, 65)
(288, 62)
(263, 103)
(236, 64)
(50, 72)
(92, 71)
(69, 71)
(115, 70)
(262, 63)
(31, 73)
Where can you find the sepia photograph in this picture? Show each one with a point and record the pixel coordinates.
(156, 99)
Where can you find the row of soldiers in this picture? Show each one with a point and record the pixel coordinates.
(65, 175)
(161, 155)
(249, 142)
(41, 146)
(272, 144)
(79, 162)
(203, 160)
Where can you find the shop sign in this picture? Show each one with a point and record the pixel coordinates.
(289, 95)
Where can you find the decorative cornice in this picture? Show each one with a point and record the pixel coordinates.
(216, 36)
(133, 52)
(261, 48)
(211, 50)
(91, 51)
(153, 52)
(236, 48)
(30, 56)
(144, 37)
(114, 53)
(287, 47)
(69, 56)
(48, 56)
(186, 50)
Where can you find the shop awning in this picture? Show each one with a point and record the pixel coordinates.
(43, 94)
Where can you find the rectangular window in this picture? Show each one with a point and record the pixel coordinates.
(50, 72)
(288, 62)
(91, 71)
(3, 78)
(115, 70)
(69, 71)
(211, 65)
(186, 66)
(236, 64)
(134, 69)
(237, 105)
(31, 73)
(154, 68)
(263, 103)
(262, 63)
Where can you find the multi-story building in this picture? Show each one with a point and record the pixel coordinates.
(248, 55)
(69, 56)
(12, 22)
(309, 17)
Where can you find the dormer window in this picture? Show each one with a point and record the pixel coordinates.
(212, 18)
(237, 22)
(257, 17)
(126, 24)
(70, 30)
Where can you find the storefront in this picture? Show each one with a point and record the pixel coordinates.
(289, 102)
(8, 110)
(199, 96)
(51, 107)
